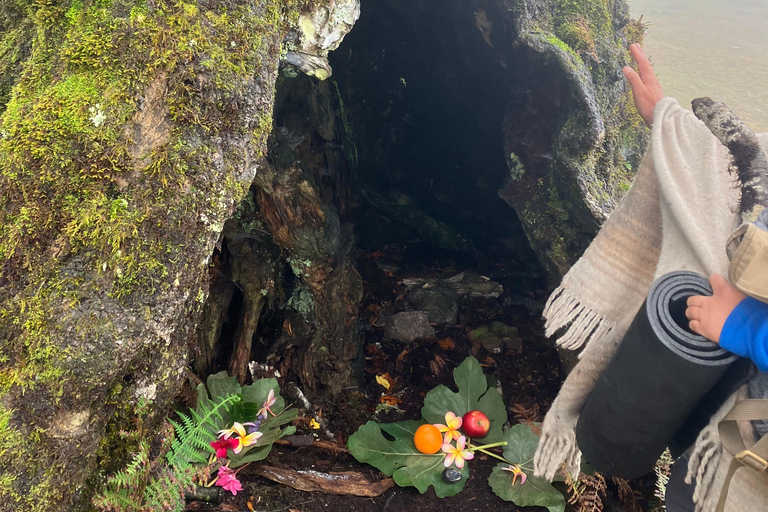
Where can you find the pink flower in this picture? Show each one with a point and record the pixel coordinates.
(228, 480)
(516, 471)
(457, 453)
(222, 445)
(267, 404)
(451, 427)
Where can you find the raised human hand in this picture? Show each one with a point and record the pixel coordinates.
(646, 88)
(707, 315)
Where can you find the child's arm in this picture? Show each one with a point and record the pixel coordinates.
(739, 323)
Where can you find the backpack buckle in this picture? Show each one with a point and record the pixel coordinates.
(752, 460)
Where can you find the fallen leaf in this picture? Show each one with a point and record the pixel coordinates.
(390, 400)
(489, 361)
(525, 414)
(385, 381)
(446, 343)
(376, 255)
(402, 354)
(251, 503)
(314, 424)
(375, 308)
(288, 328)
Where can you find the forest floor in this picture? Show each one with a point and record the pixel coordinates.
(528, 376)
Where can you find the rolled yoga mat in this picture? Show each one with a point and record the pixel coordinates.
(656, 378)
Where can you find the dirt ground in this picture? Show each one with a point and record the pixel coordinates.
(529, 377)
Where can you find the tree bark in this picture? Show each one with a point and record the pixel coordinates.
(132, 132)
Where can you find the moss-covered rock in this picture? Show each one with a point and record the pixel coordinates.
(131, 130)
(593, 140)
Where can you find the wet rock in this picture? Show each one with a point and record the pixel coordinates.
(497, 337)
(464, 284)
(408, 326)
(451, 475)
(440, 303)
(321, 31)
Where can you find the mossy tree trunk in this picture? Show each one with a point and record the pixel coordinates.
(130, 132)
(583, 141)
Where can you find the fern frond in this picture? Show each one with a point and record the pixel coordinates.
(194, 433)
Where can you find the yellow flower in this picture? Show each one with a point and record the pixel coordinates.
(457, 453)
(516, 471)
(247, 441)
(451, 427)
(237, 428)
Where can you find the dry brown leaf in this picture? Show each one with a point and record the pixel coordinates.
(390, 400)
(525, 414)
(446, 343)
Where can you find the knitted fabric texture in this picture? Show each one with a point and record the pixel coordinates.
(677, 215)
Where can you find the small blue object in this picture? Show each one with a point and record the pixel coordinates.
(745, 332)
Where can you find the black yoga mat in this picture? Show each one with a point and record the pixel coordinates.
(657, 377)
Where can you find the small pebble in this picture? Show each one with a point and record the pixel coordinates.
(451, 475)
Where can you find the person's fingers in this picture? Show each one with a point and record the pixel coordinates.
(633, 78)
(693, 313)
(696, 301)
(695, 326)
(643, 64)
(718, 283)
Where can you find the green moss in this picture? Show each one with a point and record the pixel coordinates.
(556, 41)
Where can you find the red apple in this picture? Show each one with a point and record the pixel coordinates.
(475, 424)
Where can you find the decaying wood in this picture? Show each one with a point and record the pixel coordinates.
(207, 494)
(309, 440)
(344, 483)
(748, 157)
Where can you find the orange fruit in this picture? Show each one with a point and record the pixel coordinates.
(428, 439)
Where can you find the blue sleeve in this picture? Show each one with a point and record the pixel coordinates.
(745, 332)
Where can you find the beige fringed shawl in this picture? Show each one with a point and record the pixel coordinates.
(676, 216)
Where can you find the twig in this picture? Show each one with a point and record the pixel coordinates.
(298, 441)
(294, 389)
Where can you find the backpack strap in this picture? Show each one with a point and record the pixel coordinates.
(755, 457)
